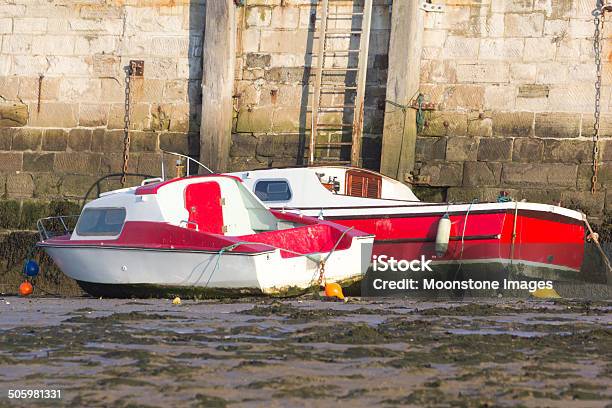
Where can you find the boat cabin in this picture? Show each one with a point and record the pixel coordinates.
(214, 204)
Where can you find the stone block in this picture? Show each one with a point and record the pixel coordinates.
(13, 114)
(110, 141)
(176, 90)
(527, 150)
(80, 88)
(572, 98)
(539, 175)
(512, 124)
(567, 151)
(53, 45)
(430, 148)
(144, 141)
(113, 163)
(460, 47)
(480, 194)
(10, 161)
(524, 25)
(28, 64)
(30, 25)
(462, 149)
(478, 73)
(437, 71)
(116, 117)
(112, 90)
(76, 186)
(500, 97)
(520, 72)
(257, 60)
(175, 142)
(495, 149)
(290, 42)
(481, 174)
(54, 114)
(80, 139)
(9, 213)
(254, 120)
(585, 201)
(55, 140)
(605, 125)
(269, 145)
(6, 25)
(19, 185)
(245, 163)
(47, 185)
(289, 75)
(149, 90)
(6, 138)
(441, 174)
(286, 120)
(539, 49)
(585, 174)
(480, 124)
(93, 115)
(26, 139)
(445, 124)
(38, 162)
(77, 163)
(9, 88)
(605, 146)
(90, 45)
(243, 145)
(557, 125)
(501, 49)
(552, 73)
(258, 16)
(464, 97)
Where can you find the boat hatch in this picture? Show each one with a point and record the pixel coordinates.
(363, 184)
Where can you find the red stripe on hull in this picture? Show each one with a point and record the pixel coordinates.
(312, 236)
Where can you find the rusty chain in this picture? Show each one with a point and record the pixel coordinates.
(597, 46)
(126, 123)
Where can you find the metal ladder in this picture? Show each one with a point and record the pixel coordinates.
(352, 88)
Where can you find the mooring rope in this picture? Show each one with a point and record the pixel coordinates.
(321, 263)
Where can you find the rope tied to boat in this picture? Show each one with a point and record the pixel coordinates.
(321, 262)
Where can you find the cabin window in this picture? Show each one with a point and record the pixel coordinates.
(101, 221)
(363, 184)
(273, 190)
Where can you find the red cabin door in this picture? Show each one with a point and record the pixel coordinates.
(203, 201)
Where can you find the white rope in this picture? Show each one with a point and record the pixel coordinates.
(230, 248)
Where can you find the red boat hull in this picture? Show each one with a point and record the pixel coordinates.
(537, 244)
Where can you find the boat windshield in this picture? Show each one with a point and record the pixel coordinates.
(101, 222)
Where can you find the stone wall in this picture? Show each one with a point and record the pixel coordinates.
(277, 46)
(62, 91)
(513, 82)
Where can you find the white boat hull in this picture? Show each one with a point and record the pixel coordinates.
(265, 272)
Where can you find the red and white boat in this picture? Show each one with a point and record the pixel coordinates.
(201, 235)
(482, 240)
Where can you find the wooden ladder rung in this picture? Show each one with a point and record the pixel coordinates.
(343, 32)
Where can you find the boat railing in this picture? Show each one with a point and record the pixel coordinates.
(50, 227)
(188, 160)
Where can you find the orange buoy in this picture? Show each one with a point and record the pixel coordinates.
(25, 288)
(334, 290)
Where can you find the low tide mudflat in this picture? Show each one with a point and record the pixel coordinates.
(257, 352)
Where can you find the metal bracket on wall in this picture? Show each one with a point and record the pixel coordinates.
(430, 7)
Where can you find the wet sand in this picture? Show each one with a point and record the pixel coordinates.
(265, 352)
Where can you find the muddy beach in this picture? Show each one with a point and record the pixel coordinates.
(264, 352)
